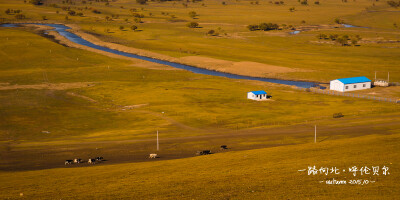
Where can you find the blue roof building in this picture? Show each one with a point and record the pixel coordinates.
(361, 79)
(259, 92)
(257, 95)
(350, 84)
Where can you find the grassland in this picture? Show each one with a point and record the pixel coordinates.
(161, 33)
(117, 103)
(201, 101)
(270, 173)
(58, 103)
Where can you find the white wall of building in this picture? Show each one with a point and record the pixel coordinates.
(252, 96)
(336, 85)
(339, 86)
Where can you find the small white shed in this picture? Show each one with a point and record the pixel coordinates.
(257, 95)
(350, 84)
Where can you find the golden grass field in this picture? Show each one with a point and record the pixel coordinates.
(270, 173)
(60, 102)
(318, 60)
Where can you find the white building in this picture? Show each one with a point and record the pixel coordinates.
(257, 95)
(350, 84)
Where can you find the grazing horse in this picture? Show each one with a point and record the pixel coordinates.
(68, 162)
(204, 152)
(77, 160)
(153, 155)
(223, 147)
(91, 161)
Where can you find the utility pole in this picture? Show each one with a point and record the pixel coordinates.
(315, 134)
(158, 147)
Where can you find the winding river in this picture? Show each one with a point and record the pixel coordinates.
(62, 30)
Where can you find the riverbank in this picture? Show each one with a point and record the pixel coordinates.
(243, 68)
(48, 31)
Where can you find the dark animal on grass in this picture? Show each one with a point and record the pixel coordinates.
(223, 147)
(92, 161)
(204, 152)
(99, 158)
(77, 160)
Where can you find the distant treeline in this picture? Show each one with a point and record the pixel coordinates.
(180, 0)
(394, 4)
(263, 26)
(342, 40)
(145, 1)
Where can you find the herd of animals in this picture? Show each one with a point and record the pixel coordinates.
(152, 155)
(78, 160)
